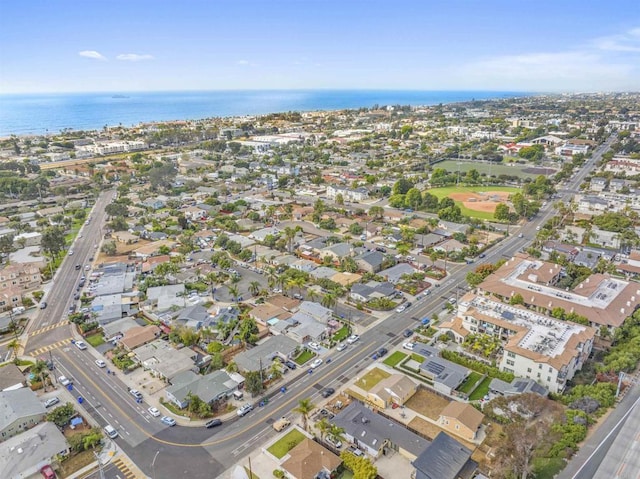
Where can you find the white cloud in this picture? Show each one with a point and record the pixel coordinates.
(92, 54)
(243, 62)
(588, 67)
(626, 42)
(134, 57)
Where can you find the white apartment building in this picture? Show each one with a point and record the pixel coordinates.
(535, 346)
(348, 194)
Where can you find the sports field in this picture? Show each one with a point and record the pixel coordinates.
(493, 169)
(476, 201)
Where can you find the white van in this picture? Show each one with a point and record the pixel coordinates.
(110, 431)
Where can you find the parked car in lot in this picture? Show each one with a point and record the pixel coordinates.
(353, 338)
(328, 392)
(316, 363)
(169, 421)
(244, 409)
(51, 402)
(213, 423)
(154, 411)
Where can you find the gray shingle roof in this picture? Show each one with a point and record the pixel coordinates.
(444, 458)
(17, 404)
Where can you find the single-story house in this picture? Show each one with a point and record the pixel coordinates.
(395, 273)
(370, 262)
(396, 389)
(262, 355)
(461, 419)
(310, 460)
(139, 336)
(164, 360)
(20, 410)
(11, 378)
(445, 375)
(498, 387)
(210, 388)
(372, 290)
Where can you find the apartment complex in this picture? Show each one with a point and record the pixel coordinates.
(605, 301)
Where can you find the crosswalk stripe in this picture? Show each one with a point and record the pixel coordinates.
(128, 468)
(48, 328)
(50, 347)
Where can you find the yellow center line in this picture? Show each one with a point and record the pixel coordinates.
(354, 358)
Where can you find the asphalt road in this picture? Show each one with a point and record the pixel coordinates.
(200, 453)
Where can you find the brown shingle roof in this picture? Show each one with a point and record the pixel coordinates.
(308, 458)
(465, 413)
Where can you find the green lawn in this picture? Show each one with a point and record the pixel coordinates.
(481, 390)
(493, 169)
(470, 383)
(287, 442)
(395, 359)
(305, 356)
(417, 357)
(372, 378)
(341, 333)
(95, 339)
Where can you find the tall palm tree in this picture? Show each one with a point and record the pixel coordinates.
(312, 295)
(305, 406)
(276, 370)
(290, 234)
(336, 432)
(329, 300)
(323, 425)
(254, 287)
(233, 291)
(40, 370)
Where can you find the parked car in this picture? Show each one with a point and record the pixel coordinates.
(213, 423)
(314, 346)
(244, 409)
(51, 402)
(64, 381)
(81, 345)
(355, 451)
(48, 472)
(154, 411)
(401, 308)
(169, 421)
(328, 392)
(341, 347)
(290, 364)
(382, 352)
(353, 338)
(337, 443)
(43, 305)
(408, 346)
(407, 333)
(100, 363)
(135, 393)
(316, 363)
(281, 424)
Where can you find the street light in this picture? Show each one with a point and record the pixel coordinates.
(153, 464)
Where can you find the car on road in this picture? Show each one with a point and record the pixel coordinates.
(481, 255)
(95, 246)
(110, 431)
(314, 346)
(244, 409)
(328, 392)
(81, 345)
(100, 363)
(43, 305)
(341, 347)
(51, 402)
(520, 235)
(70, 252)
(169, 421)
(281, 424)
(154, 411)
(87, 267)
(64, 381)
(48, 472)
(213, 423)
(135, 393)
(316, 363)
(353, 338)
(407, 333)
(78, 266)
(401, 308)
(290, 364)
(408, 346)
(382, 352)
(538, 228)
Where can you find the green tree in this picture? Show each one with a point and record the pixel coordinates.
(305, 406)
(360, 466)
(413, 198)
(53, 241)
(501, 212)
(323, 425)
(401, 186)
(116, 209)
(376, 212)
(254, 288)
(253, 382)
(516, 299)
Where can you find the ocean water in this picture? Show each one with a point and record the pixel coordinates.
(51, 113)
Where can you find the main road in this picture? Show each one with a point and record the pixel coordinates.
(198, 452)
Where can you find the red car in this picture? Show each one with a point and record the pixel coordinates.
(47, 472)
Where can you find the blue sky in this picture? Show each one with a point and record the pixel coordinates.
(132, 45)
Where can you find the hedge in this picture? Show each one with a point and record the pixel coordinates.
(477, 366)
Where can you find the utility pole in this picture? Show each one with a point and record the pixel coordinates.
(99, 465)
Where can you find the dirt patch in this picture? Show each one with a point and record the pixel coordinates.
(431, 431)
(427, 403)
(485, 453)
(484, 201)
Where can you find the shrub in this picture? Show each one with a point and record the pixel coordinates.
(477, 366)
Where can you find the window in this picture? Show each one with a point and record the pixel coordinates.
(550, 369)
(457, 426)
(539, 366)
(539, 376)
(510, 362)
(528, 370)
(548, 379)
(511, 355)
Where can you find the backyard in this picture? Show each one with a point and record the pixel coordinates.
(95, 339)
(372, 378)
(287, 442)
(470, 383)
(427, 403)
(394, 359)
(481, 391)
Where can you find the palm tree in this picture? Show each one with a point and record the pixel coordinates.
(336, 432)
(290, 234)
(323, 425)
(312, 295)
(276, 370)
(14, 345)
(40, 370)
(254, 287)
(305, 406)
(329, 300)
(233, 291)
(232, 367)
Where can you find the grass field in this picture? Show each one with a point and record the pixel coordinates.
(95, 339)
(286, 443)
(481, 391)
(372, 378)
(511, 169)
(461, 190)
(469, 383)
